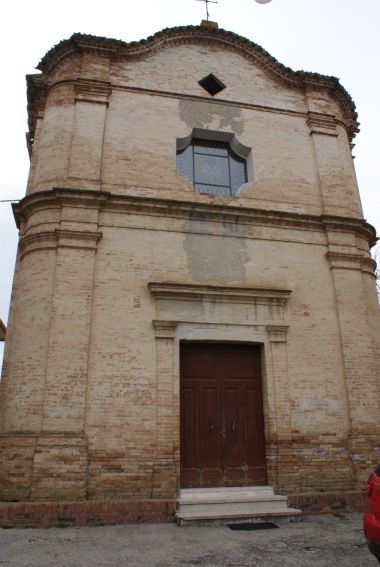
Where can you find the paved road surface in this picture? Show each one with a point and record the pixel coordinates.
(324, 541)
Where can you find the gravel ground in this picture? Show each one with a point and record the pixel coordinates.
(328, 541)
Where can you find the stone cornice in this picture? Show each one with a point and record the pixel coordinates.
(220, 294)
(345, 224)
(203, 35)
(277, 333)
(56, 199)
(99, 92)
(48, 240)
(44, 240)
(105, 201)
(345, 261)
(92, 91)
(369, 266)
(322, 124)
(84, 239)
(164, 329)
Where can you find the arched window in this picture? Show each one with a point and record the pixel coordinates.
(212, 166)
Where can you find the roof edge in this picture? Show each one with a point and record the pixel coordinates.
(170, 37)
(3, 330)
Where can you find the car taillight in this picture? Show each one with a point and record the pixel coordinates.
(370, 484)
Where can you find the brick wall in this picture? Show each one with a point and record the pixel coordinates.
(95, 513)
(90, 389)
(111, 512)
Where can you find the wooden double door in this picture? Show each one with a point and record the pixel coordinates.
(222, 425)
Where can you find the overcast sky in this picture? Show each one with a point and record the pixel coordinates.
(331, 37)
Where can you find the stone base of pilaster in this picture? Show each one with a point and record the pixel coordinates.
(164, 481)
(338, 502)
(282, 466)
(16, 465)
(311, 464)
(364, 448)
(59, 468)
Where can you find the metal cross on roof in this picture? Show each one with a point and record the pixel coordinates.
(207, 2)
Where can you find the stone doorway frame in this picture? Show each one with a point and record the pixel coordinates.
(217, 314)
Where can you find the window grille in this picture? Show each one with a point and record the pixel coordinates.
(212, 167)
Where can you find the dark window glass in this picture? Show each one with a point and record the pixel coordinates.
(212, 167)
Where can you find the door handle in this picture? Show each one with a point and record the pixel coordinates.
(233, 426)
(210, 426)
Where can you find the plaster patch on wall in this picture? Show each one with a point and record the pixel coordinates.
(216, 260)
(212, 116)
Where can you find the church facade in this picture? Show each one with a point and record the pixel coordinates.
(194, 301)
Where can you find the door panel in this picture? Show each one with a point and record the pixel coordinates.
(199, 363)
(222, 427)
(231, 425)
(209, 427)
(189, 429)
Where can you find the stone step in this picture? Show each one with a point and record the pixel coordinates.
(227, 507)
(210, 497)
(207, 504)
(264, 488)
(184, 518)
(226, 494)
(237, 513)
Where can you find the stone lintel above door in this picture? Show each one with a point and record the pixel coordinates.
(209, 304)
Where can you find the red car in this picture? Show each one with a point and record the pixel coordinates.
(371, 520)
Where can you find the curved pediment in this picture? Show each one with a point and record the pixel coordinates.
(204, 35)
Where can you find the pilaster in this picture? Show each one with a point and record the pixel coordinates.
(358, 360)
(282, 462)
(279, 394)
(336, 174)
(91, 102)
(62, 440)
(165, 466)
